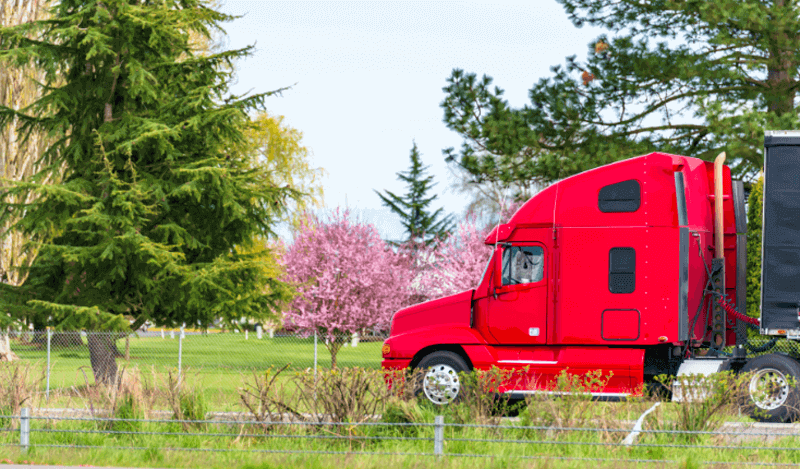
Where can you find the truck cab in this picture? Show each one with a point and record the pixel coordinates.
(605, 270)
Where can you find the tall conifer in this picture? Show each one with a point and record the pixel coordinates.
(156, 196)
(422, 226)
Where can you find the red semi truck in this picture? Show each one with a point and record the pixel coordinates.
(621, 269)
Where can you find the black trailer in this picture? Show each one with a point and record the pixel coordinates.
(773, 379)
(780, 259)
(774, 383)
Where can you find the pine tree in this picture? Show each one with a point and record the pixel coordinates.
(422, 226)
(157, 197)
(691, 77)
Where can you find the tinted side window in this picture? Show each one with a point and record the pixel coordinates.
(622, 270)
(623, 196)
(523, 264)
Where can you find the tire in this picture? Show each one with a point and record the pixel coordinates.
(439, 381)
(772, 391)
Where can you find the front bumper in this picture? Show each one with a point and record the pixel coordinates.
(395, 363)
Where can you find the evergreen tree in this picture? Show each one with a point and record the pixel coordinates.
(157, 196)
(422, 226)
(692, 77)
(755, 208)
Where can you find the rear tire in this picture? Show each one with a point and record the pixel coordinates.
(772, 391)
(439, 381)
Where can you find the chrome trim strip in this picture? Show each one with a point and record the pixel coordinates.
(599, 394)
(529, 362)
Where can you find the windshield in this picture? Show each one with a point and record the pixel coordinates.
(485, 269)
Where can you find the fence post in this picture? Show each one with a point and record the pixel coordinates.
(315, 356)
(47, 389)
(24, 429)
(438, 435)
(180, 354)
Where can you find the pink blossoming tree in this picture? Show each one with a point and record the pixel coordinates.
(457, 263)
(347, 279)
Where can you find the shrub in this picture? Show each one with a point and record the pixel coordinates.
(128, 408)
(266, 397)
(401, 411)
(342, 395)
(567, 401)
(705, 402)
(187, 403)
(17, 387)
(122, 399)
(480, 400)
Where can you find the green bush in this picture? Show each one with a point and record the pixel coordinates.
(568, 401)
(754, 212)
(128, 407)
(403, 411)
(193, 405)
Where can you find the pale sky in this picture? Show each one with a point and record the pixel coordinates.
(366, 79)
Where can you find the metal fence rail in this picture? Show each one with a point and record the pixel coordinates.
(431, 439)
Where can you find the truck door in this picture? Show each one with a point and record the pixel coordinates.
(518, 299)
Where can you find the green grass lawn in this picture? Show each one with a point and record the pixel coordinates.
(217, 364)
(250, 447)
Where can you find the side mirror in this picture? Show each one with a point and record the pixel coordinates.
(498, 270)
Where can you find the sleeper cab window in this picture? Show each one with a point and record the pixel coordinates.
(522, 264)
(625, 196)
(622, 270)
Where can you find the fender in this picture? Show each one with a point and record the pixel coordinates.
(407, 345)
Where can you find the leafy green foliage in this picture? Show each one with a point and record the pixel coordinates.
(705, 401)
(422, 225)
(280, 148)
(159, 194)
(692, 77)
(755, 207)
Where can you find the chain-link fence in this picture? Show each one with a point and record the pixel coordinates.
(760, 345)
(212, 360)
(216, 362)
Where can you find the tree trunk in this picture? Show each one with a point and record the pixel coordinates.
(6, 355)
(102, 354)
(780, 99)
(113, 344)
(333, 347)
(781, 71)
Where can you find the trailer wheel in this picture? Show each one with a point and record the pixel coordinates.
(440, 382)
(773, 388)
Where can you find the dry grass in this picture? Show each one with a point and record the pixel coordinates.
(19, 384)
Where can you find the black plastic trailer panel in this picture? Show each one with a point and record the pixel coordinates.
(780, 247)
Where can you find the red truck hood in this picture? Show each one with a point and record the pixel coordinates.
(453, 309)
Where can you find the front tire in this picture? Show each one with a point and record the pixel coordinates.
(773, 388)
(440, 380)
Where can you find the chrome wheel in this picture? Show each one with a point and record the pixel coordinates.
(769, 389)
(441, 384)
